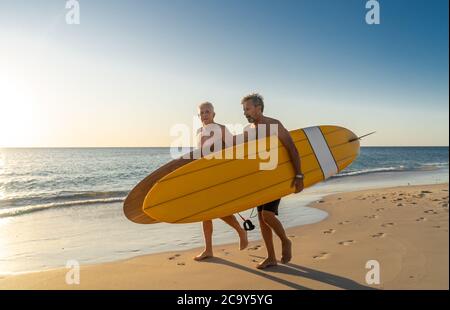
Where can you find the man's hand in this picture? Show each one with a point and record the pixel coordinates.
(298, 185)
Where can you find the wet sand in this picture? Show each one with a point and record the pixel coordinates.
(404, 229)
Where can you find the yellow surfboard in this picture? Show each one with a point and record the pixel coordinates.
(132, 206)
(212, 188)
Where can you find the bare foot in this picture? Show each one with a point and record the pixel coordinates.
(243, 242)
(286, 252)
(268, 262)
(205, 254)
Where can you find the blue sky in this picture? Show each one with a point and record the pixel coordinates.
(133, 69)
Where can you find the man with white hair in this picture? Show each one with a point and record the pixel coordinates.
(207, 140)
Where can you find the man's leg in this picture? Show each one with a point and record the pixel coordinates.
(275, 224)
(233, 222)
(207, 232)
(266, 232)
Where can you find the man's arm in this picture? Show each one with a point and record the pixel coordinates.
(289, 144)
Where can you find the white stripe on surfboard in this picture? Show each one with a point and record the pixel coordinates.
(322, 151)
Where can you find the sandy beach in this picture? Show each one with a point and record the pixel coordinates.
(405, 229)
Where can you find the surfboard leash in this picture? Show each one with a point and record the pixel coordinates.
(248, 225)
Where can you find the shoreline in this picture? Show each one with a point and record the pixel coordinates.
(349, 236)
(87, 228)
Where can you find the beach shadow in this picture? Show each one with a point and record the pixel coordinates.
(324, 277)
(217, 260)
(298, 271)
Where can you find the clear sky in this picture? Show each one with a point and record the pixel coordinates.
(133, 69)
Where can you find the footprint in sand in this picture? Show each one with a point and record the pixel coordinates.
(387, 224)
(344, 222)
(437, 226)
(379, 235)
(399, 204)
(254, 248)
(430, 212)
(373, 216)
(421, 219)
(347, 242)
(380, 209)
(329, 231)
(174, 256)
(181, 264)
(321, 201)
(322, 255)
(426, 192)
(292, 236)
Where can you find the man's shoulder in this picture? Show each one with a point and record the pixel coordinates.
(222, 127)
(271, 120)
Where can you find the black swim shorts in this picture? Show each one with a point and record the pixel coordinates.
(270, 206)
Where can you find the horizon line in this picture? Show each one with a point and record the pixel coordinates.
(142, 147)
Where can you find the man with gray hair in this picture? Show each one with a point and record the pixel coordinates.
(253, 106)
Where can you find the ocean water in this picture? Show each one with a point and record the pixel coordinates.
(66, 203)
